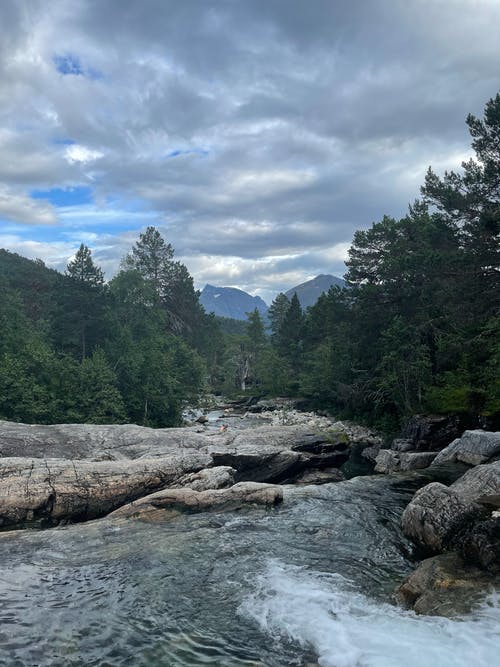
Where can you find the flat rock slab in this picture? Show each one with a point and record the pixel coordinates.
(55, 489)
(80, 471)
(243, 493)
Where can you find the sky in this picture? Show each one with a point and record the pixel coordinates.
(256, 135)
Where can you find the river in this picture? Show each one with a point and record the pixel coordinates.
(305, 583)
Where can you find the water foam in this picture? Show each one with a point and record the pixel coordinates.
(347, 629)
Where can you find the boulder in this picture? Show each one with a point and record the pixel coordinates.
(243, 493)
(387, 461)
(479, 483)
(437, 516)
(416, 460)
(444, 586)
(402, 445)
(473, 448)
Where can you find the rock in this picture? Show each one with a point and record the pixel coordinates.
(77, 472)
(387, 461)
(481, 546)
(95, 442)
(402, 445)
(234, 497)
(202, 419)
(371, 452)
(473, 448)
(324, 476)
(219, 477)
(479, 482)
(416, 460)
(51, 490)
(437, 515)
(444, 586)
(433, 432)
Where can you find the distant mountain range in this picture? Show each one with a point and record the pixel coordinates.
(235, 303)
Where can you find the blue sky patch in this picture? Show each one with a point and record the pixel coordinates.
(68, 64)
(76, 196)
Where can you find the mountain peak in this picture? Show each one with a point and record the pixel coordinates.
(309, 292)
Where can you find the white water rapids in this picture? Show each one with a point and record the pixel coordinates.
(347, 629)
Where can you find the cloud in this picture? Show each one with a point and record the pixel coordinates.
(24, 210)
(257, 139)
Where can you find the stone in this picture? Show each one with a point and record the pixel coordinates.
(479, 482)
(52, 490)
(402, 445)
(437, 515)
(325, 476)
(415, 460)
(473, 448)
(219, 477)
(444, 585)
(387, 461)
(243, 493)
(78, 471)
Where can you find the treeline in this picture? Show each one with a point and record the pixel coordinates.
(74, 349)
(418, 328)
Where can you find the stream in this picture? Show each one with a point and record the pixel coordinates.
(305, 583)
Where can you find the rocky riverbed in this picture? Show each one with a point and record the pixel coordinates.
(257, 507)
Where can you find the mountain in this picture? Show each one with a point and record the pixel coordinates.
(309, 292)
(230, 302)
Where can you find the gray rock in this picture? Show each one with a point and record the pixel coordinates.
(437, 515)
(402, 445)
(444, 586)
(220, 477)
(416, 460)
(240, 494)
(387, 461)
(479, 482)
(77, 472)
(52, 490)
(473, 448)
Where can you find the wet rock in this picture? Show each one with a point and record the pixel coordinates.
(437, 515)
(481, 546)
(243, 493)
(444, 586)
(473, 448)
(325, 476)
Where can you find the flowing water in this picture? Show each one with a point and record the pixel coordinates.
(305, 583)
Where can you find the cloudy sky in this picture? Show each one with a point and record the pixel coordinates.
(256, 134)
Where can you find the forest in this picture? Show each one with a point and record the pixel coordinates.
(416, 330)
